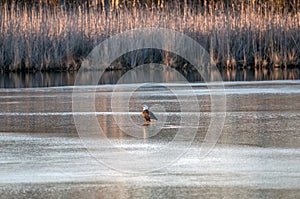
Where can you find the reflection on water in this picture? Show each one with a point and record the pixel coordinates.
(260, 75)
(27, 80)
(38, 79)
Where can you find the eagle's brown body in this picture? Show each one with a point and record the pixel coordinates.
(147, 115)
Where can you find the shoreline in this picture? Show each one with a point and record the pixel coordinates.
(126, 69)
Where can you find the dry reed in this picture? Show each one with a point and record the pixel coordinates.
(240, 35)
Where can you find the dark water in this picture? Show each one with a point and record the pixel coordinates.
(28, 80)
(256, 156)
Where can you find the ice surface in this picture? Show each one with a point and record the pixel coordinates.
(259, 148)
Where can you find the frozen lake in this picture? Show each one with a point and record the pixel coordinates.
(256, 156)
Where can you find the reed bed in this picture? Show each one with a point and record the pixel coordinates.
(243, 34)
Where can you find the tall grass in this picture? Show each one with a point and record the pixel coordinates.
(243, 34)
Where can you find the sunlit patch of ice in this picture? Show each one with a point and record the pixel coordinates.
(10, 102)
(89, 113)
(225, 165)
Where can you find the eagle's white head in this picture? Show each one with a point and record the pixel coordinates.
(145, 107)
